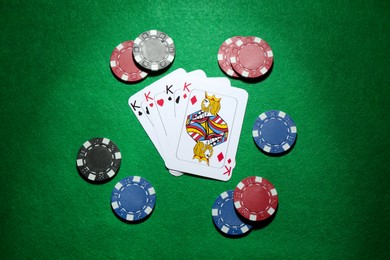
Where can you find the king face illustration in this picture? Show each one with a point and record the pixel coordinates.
(207, 128)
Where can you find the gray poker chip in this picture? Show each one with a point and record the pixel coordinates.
(154, 50)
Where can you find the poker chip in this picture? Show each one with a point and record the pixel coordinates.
(224, 54)
(154, 50)
(251, 57)
(98, 160)
(274, 132)
(225, 217)
(175, 173)
(122, 63)
(133, 198)
(255, 198)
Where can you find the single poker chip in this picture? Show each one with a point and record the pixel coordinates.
(98, 160)
(274, 132)
(154, 50)
(224, 54)
(225, 217)
(176, 173)
(133, 198)
(255, 198)
(123, 65)
(251, 57)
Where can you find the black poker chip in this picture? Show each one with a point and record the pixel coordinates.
(98, 160)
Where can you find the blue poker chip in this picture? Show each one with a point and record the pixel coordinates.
(225, 217)
(274, 132)
(133, 198)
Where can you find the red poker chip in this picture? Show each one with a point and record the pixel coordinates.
(255, 198)
(251, 57)
(224, 54)
(122, 63)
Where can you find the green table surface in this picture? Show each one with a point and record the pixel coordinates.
(331, 74)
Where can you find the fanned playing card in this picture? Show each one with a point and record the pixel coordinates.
(205, 138)
(193, 121)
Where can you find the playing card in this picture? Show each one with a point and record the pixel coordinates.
(205, 139)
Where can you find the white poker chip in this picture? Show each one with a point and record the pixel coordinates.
(154, 50)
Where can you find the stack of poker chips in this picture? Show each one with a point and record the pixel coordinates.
(253, 201)
(131, 61)
(245, 57)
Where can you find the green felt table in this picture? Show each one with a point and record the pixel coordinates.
(331, 74)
